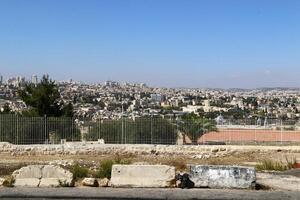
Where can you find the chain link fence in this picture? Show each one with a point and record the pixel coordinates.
(151, 130)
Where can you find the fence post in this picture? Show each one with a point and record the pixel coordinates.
(122, 136)
(230, 132)
(97, 128)
(255, 127)
(151, 124)
(72, 125)
(17, 131)
(203, 131)
(45, 127)
(125, 130)
(281, 131)
(100, 128)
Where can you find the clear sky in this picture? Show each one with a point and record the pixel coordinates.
(200, 43)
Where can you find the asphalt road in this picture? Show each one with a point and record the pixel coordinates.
(139, 193)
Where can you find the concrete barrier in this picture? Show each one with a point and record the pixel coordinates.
(146, 176)
(222, 176)
(42, 176)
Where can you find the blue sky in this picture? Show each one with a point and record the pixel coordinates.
(212, 43)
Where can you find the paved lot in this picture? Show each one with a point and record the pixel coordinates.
(138, 193)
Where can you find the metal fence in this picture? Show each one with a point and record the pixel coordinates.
(49, 130)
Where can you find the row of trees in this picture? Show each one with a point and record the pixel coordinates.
(149, 130)
(30, 130)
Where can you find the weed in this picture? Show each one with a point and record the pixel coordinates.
(274, 165)
(106, 167)
(79, 172)
(178, 164)
(9, 182)
(64, 183)
(290, 162)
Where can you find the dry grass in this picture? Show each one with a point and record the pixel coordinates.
(7, 169)
(105, 167)
(271, 165)
(178, 164)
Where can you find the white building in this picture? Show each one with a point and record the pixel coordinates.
(157, 97)
(190, 108)
(34, 79)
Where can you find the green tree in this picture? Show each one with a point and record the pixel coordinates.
(194, 126)
(236, 113)
(139, 131)
(6, 109)
(37, 130)
(44, 99)
(68, 110)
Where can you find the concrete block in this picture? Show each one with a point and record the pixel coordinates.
(222, 176)
(2, 180)
(27, 182)
(30, 171)
(52, 171)
(42, 176)
(53, 182)
(149, 176)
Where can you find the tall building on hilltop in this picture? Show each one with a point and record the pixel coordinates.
(34, 79)
(111, 83)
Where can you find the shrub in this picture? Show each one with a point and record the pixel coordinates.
(79, 172)
(106, 167)
(290, 162)
(9, 182)
(64, 184)
(275, 165)
(121, 161)
(179, 165)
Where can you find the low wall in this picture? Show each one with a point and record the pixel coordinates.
(89, 148)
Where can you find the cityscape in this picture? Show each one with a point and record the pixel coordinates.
(113, 100)
(150, 99)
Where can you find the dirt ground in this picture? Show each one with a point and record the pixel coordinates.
(10, 163)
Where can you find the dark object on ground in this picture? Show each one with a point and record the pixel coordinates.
(185, 182)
